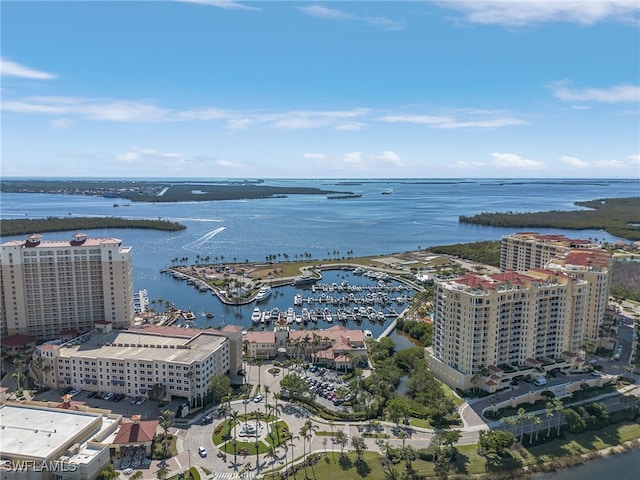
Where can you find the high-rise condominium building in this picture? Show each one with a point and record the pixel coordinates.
(49, 288)
(509, 320)
(581, 259)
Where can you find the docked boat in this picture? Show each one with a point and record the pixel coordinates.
(368, 334)
(255, 316)
(305, 315)
(328, 316)
(263, 293)
(291, 316)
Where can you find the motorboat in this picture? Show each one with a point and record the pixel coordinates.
(255, 316)
(263, 293)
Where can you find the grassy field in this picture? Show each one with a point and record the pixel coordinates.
(557, 453)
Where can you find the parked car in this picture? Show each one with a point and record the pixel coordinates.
(202, 452)
(258, 399)
(108, 396)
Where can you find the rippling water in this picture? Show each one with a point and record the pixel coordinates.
(417, 214)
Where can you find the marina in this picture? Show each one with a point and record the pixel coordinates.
(354, 299)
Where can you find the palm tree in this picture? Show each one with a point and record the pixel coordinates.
(331, 425)
(165, 424)
(234, 419)
(537, 420)
(18, 362)
(549, 413)
(522, 416)
(558, 407)
(37, 366)
(272, 453)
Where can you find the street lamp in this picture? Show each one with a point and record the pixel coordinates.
(189, 452)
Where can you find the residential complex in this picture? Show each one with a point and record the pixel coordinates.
(506, 321)
(581, 259)
(133, 361)
(535, 316)
(49, 289)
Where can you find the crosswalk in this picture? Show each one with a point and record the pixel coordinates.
(233, 476)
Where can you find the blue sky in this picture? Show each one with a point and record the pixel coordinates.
(309, 89)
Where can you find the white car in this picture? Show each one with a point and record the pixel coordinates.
(258, 399)
(128, 471)
(202, 452)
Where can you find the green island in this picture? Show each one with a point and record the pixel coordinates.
(163, 192)
(23, 226)
(617, 216)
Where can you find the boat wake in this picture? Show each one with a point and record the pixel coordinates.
(204, 239)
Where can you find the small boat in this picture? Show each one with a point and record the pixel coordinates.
(368, 334)
(291, 316)
(328, 316)
(209, 315)
(305, 315)
(255, 316)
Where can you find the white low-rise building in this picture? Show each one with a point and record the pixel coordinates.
(135, 361)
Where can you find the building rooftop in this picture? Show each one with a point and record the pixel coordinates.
(171, 344)
(37, 433)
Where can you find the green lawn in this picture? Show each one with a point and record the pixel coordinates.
(468, 462)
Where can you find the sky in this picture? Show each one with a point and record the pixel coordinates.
(364, 89)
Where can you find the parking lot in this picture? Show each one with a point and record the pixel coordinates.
(117, 403)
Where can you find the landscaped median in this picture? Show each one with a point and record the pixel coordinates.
(225, 432)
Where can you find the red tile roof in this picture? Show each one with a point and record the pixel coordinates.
(136, 432)
(17, 340)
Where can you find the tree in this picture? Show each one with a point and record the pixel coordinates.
(558, 407)
(575, 421)
(137, 475)
(341, 439)
(165, 424)
(234, 419)
(18, 362)
(219, 387)
(449, 437)
(109, 472)
(548, 410)
(162, 473)
(495, 441)
(359, 445)
(158, 392)
(522, 416)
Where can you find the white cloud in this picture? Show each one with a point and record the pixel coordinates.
(352, 158)
(634, 159)
(13, 69)
(94, 109)
(573, 161)
(60, 123)
(356, 160)
(604, 164)
(226, 4)
(314, 156)
(147, 153)
(467, 165)
(449, 122)
(327, 13)
(390, 158)
(518, 13)
(614, 94)
(511, 160)
(146, 111)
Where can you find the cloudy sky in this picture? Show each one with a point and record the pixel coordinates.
(213, 89)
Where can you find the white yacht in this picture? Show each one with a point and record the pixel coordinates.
(255, 316)
(263, 293)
